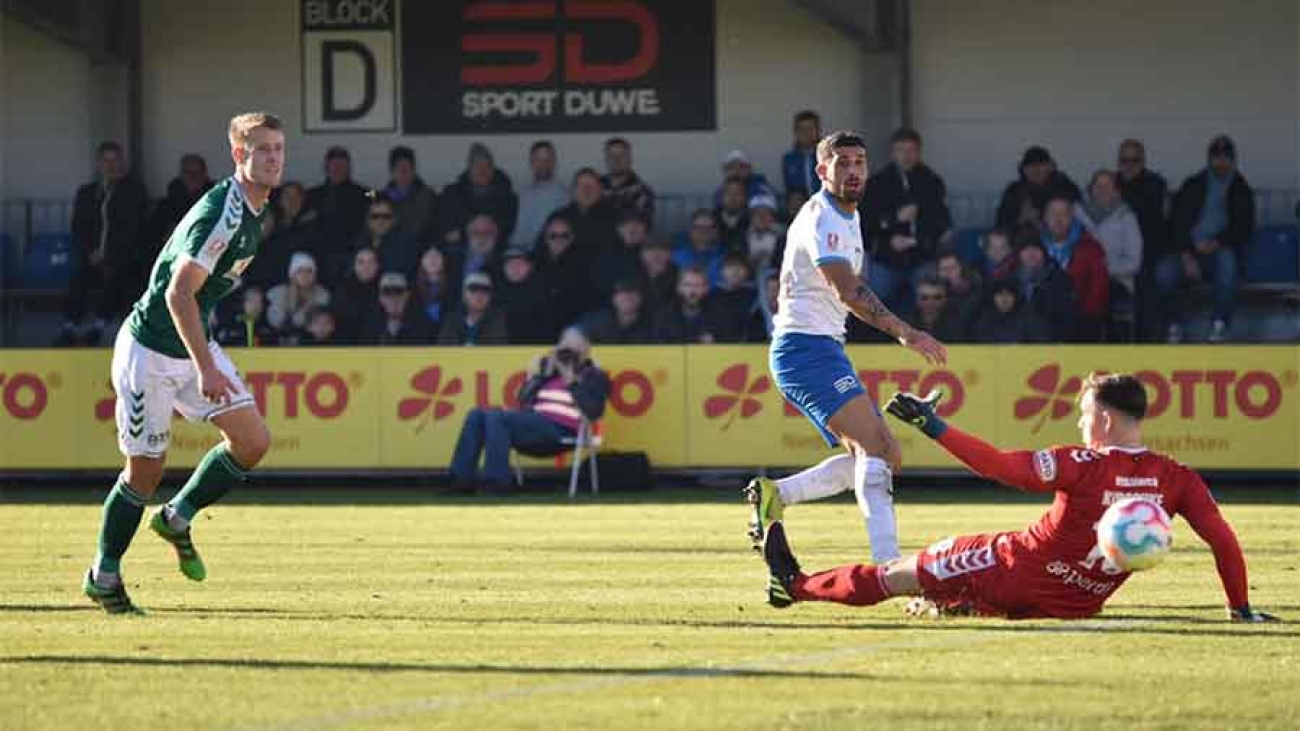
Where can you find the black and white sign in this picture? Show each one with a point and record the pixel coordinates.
(485, 66)
(349, 72)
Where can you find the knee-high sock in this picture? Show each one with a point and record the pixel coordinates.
(873, 484)
(857, 585)
(831, 477)
(215, 474)
(122, 511)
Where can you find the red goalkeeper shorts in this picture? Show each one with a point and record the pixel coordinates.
(966, 574)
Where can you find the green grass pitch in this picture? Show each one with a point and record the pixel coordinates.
(645, 613)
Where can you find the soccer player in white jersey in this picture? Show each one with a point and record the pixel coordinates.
(165, 359)
(821, 283)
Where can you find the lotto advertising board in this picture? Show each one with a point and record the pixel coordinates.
(705, 406)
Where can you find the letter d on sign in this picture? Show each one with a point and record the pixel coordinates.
(330, 53)
(349, 70)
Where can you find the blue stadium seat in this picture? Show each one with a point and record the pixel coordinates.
(1274, 255)
(966, 242)
(48, 262)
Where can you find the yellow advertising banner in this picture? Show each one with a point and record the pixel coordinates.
(737, 417)
(40, 399)
(426, 393)
(1208, 406)
(1232, 407)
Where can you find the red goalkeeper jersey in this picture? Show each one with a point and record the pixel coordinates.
(1056, 561)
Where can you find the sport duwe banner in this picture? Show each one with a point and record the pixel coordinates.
(486, 66)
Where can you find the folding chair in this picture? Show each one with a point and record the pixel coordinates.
(585, 444)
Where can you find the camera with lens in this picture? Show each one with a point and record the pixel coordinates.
(567, 356)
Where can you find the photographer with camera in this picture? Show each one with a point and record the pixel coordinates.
(563, 387)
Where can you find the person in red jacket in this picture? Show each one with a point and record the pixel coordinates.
(1082, 257)
(1054, 568)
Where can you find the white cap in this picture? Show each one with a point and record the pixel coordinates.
(301, 260)
(735, 156)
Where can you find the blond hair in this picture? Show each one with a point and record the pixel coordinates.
(242, 126)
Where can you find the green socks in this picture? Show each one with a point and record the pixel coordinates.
(215, 474)
(122, 512)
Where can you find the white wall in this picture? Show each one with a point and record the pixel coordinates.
(773, 59)
(1079, 77)
(46, 143)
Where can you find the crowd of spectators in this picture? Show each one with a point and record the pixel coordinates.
(483, 262)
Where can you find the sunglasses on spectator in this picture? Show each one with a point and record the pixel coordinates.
(393, 290)
(1130, 161)
(932, 297)
(559, 236)
(381, 216)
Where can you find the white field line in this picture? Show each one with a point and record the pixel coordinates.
(770, 663)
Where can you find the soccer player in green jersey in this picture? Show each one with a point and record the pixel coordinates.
(165, 359)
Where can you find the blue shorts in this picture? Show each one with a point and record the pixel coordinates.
(815, 375)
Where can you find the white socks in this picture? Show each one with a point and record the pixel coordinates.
(833, 476)
(873, 483)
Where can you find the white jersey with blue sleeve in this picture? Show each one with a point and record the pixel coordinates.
(807, 303)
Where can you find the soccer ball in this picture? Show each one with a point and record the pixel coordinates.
(1135, 534)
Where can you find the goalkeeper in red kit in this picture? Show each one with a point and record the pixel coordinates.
(1053, 568)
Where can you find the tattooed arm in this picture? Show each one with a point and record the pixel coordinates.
(866, 306)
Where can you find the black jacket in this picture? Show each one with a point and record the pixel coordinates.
(1020, 194)
(1052, 298)
(729, 313)
(341, 214)
(491, 329)
(590, 390)
(949, 328)
(1146, 195)
(461, 201)
(603, 327)
(529, 319)
(169, 212)
(354, 304)
(673, 326)
(239, 333)
(734, 236)
(594, 230)
(271, 265)
(415, 330)
(568, 285)
(124, 246)
(1190, 199)
(890, 190)
(1021, 325)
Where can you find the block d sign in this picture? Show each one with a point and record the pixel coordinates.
(563, 65)
(349, 78)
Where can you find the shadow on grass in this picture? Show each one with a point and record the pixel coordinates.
(1107, 624)
(440, 668)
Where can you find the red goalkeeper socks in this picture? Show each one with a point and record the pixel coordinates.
(855, 585)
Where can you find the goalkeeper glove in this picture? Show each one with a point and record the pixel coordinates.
(1245, 614)
(919, 412)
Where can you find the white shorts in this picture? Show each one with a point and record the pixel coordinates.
(150, 385)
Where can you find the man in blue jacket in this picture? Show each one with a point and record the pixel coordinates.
(799, 165)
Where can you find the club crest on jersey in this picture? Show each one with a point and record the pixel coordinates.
(237, 269)
(832, 241)
(1045, 465)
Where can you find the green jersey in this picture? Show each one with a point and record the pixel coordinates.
(220, 233)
